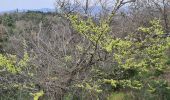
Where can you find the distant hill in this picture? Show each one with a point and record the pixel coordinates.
(93, 10)
(45, 10)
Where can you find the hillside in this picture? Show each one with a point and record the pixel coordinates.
(112, 54)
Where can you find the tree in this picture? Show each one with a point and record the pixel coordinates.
(75, 56)
(134, 61)
(8, 21)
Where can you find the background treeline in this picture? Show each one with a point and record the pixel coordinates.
(102, 50)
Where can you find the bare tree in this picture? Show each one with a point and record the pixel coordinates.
(162, 6)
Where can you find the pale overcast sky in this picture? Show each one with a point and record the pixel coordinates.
(6, 5)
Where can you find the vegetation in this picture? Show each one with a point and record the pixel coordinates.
(68, 55)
